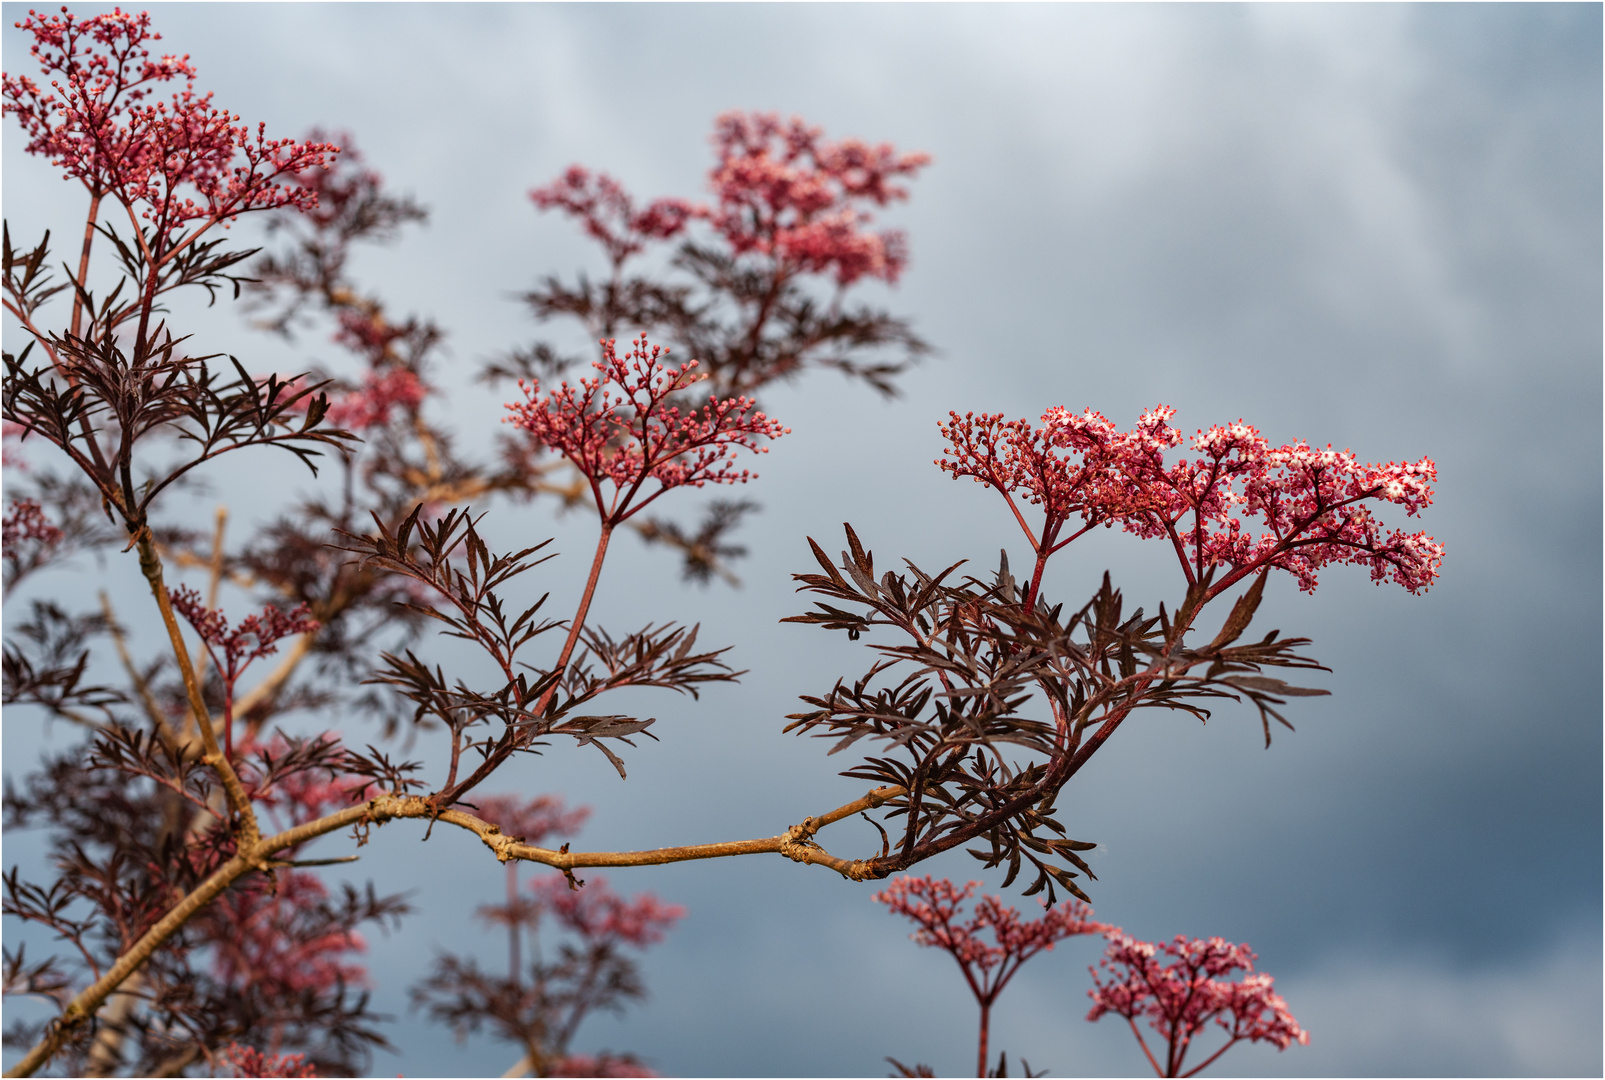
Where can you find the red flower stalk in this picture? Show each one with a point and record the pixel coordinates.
(627, 435)
(1309, 501)
(1181, 998)
(934, 905)
(255, 637)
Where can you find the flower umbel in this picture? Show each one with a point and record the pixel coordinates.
(1309, 501)
(249, 1061)
(172, 164)
(620, 431)
(234, 650)
(935, 906)
(1182, 997)
(786, 192)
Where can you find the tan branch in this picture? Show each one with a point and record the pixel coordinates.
(151, 564)
(84, 1006)
(795, 843)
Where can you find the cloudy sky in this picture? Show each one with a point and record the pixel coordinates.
(1374, 226)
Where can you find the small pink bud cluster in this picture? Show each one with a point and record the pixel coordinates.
(249, 1061)
(255, 637)
(170, 163)
(381, 394)
(610, 215)
(619, 429)
(934, 906)
(102, 70)
(340, 188)
(1310, 502)
(25, 522)
(1182, 997)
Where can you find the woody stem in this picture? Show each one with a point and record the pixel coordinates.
(150, 564)
(986, 1017)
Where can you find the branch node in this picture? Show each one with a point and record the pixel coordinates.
(797, 844)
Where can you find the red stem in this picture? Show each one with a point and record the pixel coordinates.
(506, 746)
(1142, 1042)
(1211, 1059)
(584, 609)
(986, 1017)
(82, 281)
(228, 717)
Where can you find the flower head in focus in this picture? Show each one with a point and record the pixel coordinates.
(1310, 504)
(622, 431)
(179, 165)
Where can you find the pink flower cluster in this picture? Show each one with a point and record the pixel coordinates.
(381, 394)
(255, 637)
(1309, 501)
(586, 1065)
(249, 1061)
(782, 191)
(107, 70)
(610, 215)
(1182, 997)
(25, 522)
(298, 796)
(534, 819)
(785, 192)
(337, 184)
(169, 163)
(935, 906)
(629, 434)
(262, 943)
(599, 916)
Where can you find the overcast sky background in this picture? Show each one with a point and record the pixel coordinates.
(1375, 226)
